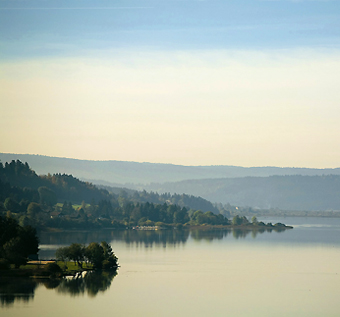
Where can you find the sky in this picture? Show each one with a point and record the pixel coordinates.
(246, 83)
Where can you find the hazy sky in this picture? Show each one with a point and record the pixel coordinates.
(246, 82)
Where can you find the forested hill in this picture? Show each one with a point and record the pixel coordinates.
(18, 180)
(293, 192)
(118, 173)
(62, 201)
(183, 200)
(56, 187)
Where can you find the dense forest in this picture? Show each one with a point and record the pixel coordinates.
(63, 201)
(183, 200)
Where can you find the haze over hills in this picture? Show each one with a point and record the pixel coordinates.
(121, 173)
(257, 187)
(292, 192)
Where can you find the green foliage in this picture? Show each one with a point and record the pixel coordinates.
(33, 209)
(107, 249)
(67, 208)
(76, 253)
(199, 218)
(238, 220)
(62, 254)
(183, 200)
(11, 204)
(16, 176)
(17, 242)
(47, 196)
(71, 267)
(53, 270)
(110, 263)
(254, 220)
(99, 255)
(95, 254)
(38, 203)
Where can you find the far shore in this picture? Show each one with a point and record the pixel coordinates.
(249, 226)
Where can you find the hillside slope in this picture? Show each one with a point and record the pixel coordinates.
(294, 192)
(115, 173)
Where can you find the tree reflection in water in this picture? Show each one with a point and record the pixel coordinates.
(209, 234)
(219, 234)
(16, 289)
(92, 283)
(148, 238)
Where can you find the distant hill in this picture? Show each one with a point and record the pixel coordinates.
(25, 183)
(257, 187)
(33, 200)
(129, 174)
(293, 192)
(20, 182)
(183, 200)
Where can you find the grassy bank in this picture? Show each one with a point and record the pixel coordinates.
(46, 269)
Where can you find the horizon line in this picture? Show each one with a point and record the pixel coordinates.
(145, 162)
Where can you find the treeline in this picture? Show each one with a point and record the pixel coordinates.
(100, 255)
(62, 201)
(25, 183)
(64, 187)
(183, 200)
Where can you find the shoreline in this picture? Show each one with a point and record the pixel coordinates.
(181, 227)
(37, 272)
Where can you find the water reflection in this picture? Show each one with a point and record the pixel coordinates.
(295, 273)
(145, 238)
(149, 238)
(209, 235)
(219, 234)
(15, 290)
(92, 283)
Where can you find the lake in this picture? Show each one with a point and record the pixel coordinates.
(195, 273)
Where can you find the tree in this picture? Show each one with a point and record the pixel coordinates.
(100, 255)
(106, 249)
(110, 260)
(12, 252)
(95, 254)
(61, 254)
(75, 252)
(33, 209)
(237, 220)
(16, 242)
(53, 270)
(12, 205)
(47, 196)
(29, 240)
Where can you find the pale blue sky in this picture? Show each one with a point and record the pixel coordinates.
(185, 82)
(52, 28)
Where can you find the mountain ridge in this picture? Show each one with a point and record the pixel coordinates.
(286, 192)
(137, 173)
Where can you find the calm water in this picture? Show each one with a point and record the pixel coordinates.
(197, 273)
